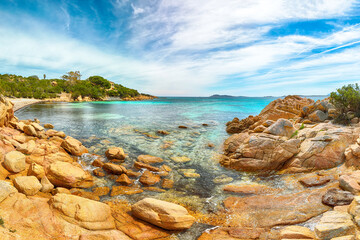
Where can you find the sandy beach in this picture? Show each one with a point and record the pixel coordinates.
(23, 102)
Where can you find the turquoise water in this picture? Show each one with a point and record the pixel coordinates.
(133, 126)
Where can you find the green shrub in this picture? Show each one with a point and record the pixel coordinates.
(346, 99)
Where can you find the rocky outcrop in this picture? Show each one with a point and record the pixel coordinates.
(6, 111)
(312, 148)
(163, 214)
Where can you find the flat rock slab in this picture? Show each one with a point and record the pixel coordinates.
(273, 210)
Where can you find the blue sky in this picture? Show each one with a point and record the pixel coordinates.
(187, 47)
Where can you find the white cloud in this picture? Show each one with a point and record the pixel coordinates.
(187, 46)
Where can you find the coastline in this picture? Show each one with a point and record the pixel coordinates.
(20, 103)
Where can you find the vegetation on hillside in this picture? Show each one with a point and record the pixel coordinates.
(347, 101)
(94, 87)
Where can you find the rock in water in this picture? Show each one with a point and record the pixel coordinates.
(163, 214)
(73, 146)
(84, 212)
(337, 197)
(29, 185)
(115, 153)
(15, 161)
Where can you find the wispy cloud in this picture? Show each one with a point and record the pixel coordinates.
(169, 47)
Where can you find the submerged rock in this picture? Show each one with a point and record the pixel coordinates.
(163, 214)
(148, 159)
(115, 153)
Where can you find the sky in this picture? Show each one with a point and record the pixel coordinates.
(187, 47)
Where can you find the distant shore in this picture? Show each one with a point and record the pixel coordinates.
(23, 102)
(20, 103)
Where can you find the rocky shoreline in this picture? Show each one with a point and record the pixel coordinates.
(303, 182)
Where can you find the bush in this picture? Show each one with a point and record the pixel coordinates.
(100, 81)
(346, 99)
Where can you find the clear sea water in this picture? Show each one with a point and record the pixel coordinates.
(133, 126)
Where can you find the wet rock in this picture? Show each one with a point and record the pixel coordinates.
(124, 179)
(148, 159)
(48, 126)
(97, 163)
(250, 189)
(14, 161)
(29, 185)
(73, 146)
(337, 197)
(334, 224)
(86, 213)
(210, 145)
(114, 168)
(163, 214)
(5, 190)
(296, 232)
(154, 189)
(36, 170)
(162, 132)
(149, 178)
(183, 127)
(282, 127)
(124, 190)
(101, 191)
(115, 153)
(315, 180)
(64, 174)
(180, 159)
(99, 172)
(167, 183)
(54, 133)
(222, 179)
(140, 165)
(132, 173)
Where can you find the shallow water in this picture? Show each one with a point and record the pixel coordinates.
(133, 126)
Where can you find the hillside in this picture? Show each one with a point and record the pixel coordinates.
(93, 88)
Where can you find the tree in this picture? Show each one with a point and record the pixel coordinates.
(100, 81)
(72, 76)
(44, 76)
(346, 99)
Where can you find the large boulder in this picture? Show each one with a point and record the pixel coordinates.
(84, 212)
(115, 153)
(163, 214)
(15, 161)
(73, 146)
(282, 127)
(334, 224)
(291, 107)
(64, 174)
(258, 152)
(319, 147)
(29, 185)
(318, 116)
